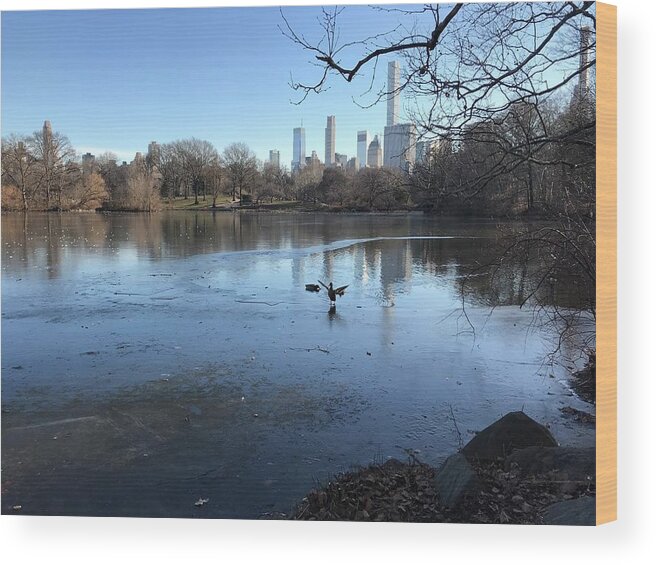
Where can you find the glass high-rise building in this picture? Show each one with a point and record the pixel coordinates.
(400, 146)
(330, 141)
(274, 157)
(298, 158)
(363, 146)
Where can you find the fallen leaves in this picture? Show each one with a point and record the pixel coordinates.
(405, 492)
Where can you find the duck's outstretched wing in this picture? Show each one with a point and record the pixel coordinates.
(341, 290)
(323, 285)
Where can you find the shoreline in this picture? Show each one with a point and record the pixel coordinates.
(282, 209)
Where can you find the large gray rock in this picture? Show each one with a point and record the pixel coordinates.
(575, 464)
(576, 512)
(454, 480)
(514, 431)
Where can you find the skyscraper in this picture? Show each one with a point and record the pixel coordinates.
(374, 154)
(330, 141)
(153, 150)
(88, 163)
(313, 162)
(400, 146)
(341, 160)
(393, 96)
(47, 143)
(426, 150)
(363, 146)
(584, 61)
(298, 160)
(274, 157)
(47, 129)
(153, 158)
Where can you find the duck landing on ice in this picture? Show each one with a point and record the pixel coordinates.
(333, 293)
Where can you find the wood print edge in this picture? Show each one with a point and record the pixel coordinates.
(606, 175)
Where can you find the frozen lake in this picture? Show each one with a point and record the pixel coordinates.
(149, 361)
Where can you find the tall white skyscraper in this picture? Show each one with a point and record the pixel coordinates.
(400, 146)
(363, 146)
(298, 159)
(330, 141)
(393, 95)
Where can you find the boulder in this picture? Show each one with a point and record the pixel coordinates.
(454, 480)
(514, 431)
(576, 512)
(560, 464)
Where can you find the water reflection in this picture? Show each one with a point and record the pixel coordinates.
(50, 245)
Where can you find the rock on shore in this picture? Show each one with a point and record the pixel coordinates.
(511, 472)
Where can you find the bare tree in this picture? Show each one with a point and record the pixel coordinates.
(275, 182)
(89, 192)
(380, 189)
(171, 167)
(306, 182)
(142, 191)
(241, 165)
(214, 179)
(19, 169)
(53, 151)
(195, 156)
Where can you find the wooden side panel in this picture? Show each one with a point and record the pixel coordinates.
(606, 263)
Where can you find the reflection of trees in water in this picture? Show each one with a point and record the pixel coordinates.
(45, 239)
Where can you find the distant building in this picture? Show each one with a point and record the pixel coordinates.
(88, 163)
(393, 95)
(583, 91)
(313, 163)
(154, 151)
(313, 160)
(341, 160)
(274, 157)
(363, 146)
(138, 159)
(375, 154)
(298, 160)
(153, 160)
(400, 146)
(353, 164)
(330, 141)
(425, 149)
(47, 142)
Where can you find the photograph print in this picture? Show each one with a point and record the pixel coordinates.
(301, 263)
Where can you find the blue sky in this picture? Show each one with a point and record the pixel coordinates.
(113, 80)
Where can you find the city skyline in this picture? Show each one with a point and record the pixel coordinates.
(400, 148)
(113, 105)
